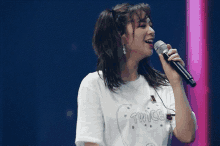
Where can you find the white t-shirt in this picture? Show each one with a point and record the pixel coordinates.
(128, 118)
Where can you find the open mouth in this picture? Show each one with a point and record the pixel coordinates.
(149, 42)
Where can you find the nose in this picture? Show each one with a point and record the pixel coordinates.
(151, 32)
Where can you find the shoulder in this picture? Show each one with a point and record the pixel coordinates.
(165, 88)
(92, 80)
(166, 91)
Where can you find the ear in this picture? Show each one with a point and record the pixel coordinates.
(124, 39)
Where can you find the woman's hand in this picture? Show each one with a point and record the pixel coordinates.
(173, 77)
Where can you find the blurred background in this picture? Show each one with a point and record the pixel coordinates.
(46, 51)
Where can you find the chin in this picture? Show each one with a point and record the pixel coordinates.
(145, 53)
(149, 53)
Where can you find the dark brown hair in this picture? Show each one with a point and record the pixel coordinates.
(107, 44)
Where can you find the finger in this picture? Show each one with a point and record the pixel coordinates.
(176, 55)
(172, 51)
(169, 46)
(179, 60)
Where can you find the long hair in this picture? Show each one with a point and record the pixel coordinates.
(107, 44)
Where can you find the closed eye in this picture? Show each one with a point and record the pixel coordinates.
(143, 26)
(143, 22)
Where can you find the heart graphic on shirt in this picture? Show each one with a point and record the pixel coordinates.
(138, 125)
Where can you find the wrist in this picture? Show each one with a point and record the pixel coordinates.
(176, 84)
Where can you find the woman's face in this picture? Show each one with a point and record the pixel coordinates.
(137, 47)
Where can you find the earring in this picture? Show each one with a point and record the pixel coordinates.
(124, 49)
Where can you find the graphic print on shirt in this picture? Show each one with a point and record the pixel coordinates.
(140, 126)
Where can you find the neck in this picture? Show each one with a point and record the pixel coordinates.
(129, 71)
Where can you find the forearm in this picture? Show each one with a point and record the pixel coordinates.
(184, 123)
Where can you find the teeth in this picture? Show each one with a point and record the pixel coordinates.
(149, 41)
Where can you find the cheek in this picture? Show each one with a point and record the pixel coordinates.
(139, 35)
(129, 40)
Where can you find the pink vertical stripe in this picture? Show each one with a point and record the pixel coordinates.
(197, 65)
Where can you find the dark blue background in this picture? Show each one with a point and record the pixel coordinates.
(46, 51)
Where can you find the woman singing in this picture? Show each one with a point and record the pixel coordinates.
(126, 102)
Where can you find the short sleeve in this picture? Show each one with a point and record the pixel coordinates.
(90, 123)
(171, 99)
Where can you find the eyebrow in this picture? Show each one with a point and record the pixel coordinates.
(144, 20)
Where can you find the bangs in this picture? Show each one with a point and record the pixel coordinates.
(137, 10)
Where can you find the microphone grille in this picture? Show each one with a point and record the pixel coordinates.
(160, 46)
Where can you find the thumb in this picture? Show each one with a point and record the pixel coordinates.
(161, 58)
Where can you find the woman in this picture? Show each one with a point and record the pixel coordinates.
(126, 102)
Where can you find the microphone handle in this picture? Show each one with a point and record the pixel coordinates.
(181, 70)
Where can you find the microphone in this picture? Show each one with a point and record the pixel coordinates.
(161, 47)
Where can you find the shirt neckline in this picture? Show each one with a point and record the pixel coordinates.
(135, 82)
